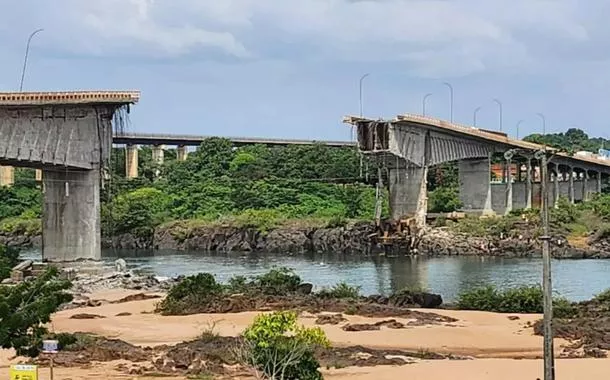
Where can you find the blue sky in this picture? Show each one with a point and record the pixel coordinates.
(277, 68)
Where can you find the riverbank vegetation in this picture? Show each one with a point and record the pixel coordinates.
(263, 188)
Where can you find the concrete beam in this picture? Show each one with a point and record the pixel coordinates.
(7, 176)
(475, 186)
(71, 215)
(131, 161)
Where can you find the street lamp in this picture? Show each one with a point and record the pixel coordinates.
(518, 124)
(25, 58)
(424, 103)
(362, 79)
(543, 123)
(451, 93)
(499, 103)
(474, 115)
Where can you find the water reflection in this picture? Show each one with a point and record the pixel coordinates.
(448, 276)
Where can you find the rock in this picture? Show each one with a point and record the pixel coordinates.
(123, 314)
(87, 316)
(330, 319)
(513, 317)
(7, 281)
(407, 298)
(305, 288)
(360, 327)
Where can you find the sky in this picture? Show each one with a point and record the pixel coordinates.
(291, 69)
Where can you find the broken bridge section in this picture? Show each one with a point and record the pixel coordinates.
(407, 149)
(69, 136)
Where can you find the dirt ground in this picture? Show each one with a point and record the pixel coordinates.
(494, 341)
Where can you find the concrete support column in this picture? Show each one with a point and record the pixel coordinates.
(38, 175)
(475, 186)
(181, 153)
(409, 193)
(556, 186)
(571, 185)
(529, 188)
(599, 182)
(131, 161)
(7, 175)
(157, 154)
(509, 187)
(585, 187)
(71, 215)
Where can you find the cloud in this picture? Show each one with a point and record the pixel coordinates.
(433, 38)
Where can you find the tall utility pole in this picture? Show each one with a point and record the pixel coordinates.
(499, 103)
(541, 116)
(424, 103)
(360, 87)
(474, 116)
(25, 58)
(450, 87)
(518, 124)
(549, 360)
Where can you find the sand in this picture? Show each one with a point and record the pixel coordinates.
(494, 341)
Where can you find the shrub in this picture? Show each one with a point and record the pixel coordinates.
(275, 345)
(27, 307)
(523, 299)
(9, 257)
(565, 212)
(193, 290)
(341, 290)
(444, 199)
(278, 281)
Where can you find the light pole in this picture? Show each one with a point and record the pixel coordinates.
(424, 103)
(518, 124)
(451, 99)
(25, 58)
(499, 103)
(549, 361)
(543, 123)
(362, 79)
(474, 115)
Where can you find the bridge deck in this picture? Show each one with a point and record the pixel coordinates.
(68, 97)
(479, 134)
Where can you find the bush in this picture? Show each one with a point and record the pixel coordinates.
(341, 290)
(444, 199)
(278, 281)
(9, 257)
(565, 212)
(27, 307)
(193, 290)
(523, 299)
(280, 349)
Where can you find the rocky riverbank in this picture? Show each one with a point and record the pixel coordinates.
(353, 239)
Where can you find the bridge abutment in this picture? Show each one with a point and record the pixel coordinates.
(71, 215)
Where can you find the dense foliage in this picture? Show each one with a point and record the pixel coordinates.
(573, 140)
(523, 299)
(199, 291)
(9, 257)
(26, 307)
(280, 349)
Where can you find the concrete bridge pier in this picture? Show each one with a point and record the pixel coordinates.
(509, 186)
(71, 210)
(529, 188)
(181, 153)
(7, 176)
(158, 154)
(131, 161)
(475, 186)
(571, 184)
(408, 193)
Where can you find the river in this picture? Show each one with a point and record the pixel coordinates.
(575, 279)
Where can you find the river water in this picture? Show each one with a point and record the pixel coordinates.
(575, 279)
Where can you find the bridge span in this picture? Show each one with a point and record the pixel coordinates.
(407, 146)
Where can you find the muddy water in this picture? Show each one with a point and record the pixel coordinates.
(575, 279)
